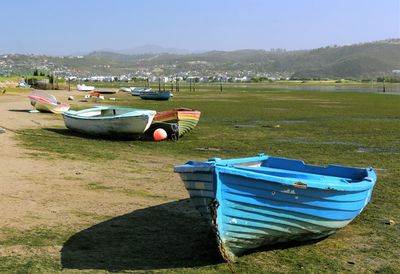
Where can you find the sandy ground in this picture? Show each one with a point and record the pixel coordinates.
(37, 192)
(60, 215)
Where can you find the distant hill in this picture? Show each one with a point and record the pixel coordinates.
(360, 60)
(152, 49)
(353, 61)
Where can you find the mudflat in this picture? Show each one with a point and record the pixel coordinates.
(65, 196)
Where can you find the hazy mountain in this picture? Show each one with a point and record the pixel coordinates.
(352, 61)
(152, 49)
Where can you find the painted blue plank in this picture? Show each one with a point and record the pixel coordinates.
(245, 188)
(264, 200)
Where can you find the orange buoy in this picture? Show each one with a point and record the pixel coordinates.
(159, 134)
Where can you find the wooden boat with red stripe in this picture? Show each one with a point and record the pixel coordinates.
(186, 118)
(45, 102)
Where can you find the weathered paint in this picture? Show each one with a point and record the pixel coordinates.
(109, 121)
(186, 118)
(277, 200)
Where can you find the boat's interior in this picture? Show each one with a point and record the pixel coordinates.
(113, 112)
(109, 112)
(289, 168)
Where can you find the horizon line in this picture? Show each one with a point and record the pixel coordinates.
(191, 52)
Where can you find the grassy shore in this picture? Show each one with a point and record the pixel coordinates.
(342, 82)
(356, 129)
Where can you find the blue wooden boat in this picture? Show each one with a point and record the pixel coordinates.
(262, 200)
(160, 95)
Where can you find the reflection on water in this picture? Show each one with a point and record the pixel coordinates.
(376, 88)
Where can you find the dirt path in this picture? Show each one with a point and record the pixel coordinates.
(56, 192)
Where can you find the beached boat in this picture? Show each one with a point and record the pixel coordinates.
(267, 200)
(186, 118)
(45, 102)
(109, 121)
(23, 84)
(160, 95)
(84, 87)
(125, 89)
(136, 91)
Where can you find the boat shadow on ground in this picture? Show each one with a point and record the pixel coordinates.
(20, 110)
(166, 236)
(69, 133)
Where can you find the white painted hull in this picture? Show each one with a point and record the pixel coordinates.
(46, 107)
(92, 123)
(85, 88)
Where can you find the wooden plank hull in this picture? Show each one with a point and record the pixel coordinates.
(155, 95)
(186, 118)
(44, 105)
(109, 121)
(266, 200)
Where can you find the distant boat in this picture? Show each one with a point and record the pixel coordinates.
(84, 87)
(125, 89)
(160, 95)
(136, 91)
(23, 85)
(186, 118)
(265, 200)
(109, 121)
(45, 102)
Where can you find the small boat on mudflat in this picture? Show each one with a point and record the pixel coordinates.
(136, 91)
(160, 95)
(186, 118)
(263, 200)
(45, 102)
(84, 87)
(125, 89)
(109, 121)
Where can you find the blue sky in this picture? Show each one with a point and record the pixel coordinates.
(73, 26)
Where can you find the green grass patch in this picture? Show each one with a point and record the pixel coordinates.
(31, 264)
(37, 237)
(98, 186)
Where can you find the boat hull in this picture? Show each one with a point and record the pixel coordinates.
(85, 88)
(44, 105)
(136, 91)
(155, 95)
(186, 118)
(271, 203)
(95, 122)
